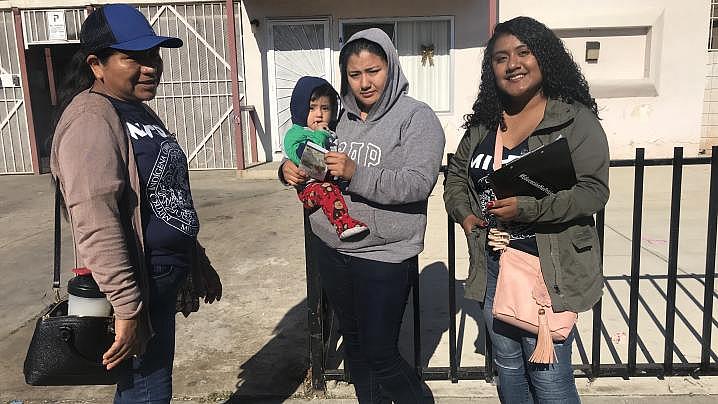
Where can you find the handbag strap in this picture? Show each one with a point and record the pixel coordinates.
(56, 253)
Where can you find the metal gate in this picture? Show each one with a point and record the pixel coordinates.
(195, 96)
(36, 30)
(15, 154)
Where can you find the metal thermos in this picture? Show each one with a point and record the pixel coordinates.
(85, 298)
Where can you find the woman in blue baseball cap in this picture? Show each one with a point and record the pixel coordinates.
(125, 185)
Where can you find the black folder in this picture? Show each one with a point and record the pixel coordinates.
(539, 173)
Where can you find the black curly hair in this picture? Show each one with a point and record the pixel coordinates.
(562, 78)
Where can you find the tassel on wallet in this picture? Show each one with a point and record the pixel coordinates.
(544, 352)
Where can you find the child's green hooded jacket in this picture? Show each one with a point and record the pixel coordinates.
(297, 136)
(299, 133)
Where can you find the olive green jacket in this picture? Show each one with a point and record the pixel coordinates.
(568, 245)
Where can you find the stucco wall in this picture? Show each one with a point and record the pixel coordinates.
(662, 109)
(657, 111)
(470, 33)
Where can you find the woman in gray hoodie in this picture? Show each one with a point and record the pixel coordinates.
(389, 151)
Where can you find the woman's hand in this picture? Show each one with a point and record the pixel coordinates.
(125, 336)
(472, 221)
(505, 210)
(340, 165)
(292, 174)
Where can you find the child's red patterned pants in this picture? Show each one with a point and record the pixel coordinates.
(328, 196)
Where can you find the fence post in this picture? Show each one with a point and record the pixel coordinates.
(710, 263)
(453, 365)
(673, 259)
(451, 251)
(417, 314)
(635, 259)
(598, 307)
(314, 311)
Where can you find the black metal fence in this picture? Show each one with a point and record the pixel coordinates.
(322, 337)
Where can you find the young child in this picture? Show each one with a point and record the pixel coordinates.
(314, 110)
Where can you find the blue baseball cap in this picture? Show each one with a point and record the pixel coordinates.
(121, 27)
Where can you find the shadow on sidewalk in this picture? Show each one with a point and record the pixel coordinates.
(277, 370)
(435, 317)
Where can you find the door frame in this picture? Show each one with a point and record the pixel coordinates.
(271, 71)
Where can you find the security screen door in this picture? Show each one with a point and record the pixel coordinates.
(298, 48)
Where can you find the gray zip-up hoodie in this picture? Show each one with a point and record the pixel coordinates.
(398, 151)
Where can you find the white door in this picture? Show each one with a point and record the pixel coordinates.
(297, 48)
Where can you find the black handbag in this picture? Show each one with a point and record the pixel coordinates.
(67, 350)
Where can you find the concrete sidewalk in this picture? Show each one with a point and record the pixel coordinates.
(675, 399)
(480, 400)
(253, 343)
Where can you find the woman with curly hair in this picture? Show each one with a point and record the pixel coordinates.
(531, 93)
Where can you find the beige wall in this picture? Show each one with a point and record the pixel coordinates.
(659, 109)
(470, 33)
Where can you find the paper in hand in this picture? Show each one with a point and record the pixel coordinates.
(312, 161)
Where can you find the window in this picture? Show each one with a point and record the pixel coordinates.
(424, 47)
(351, 29)
(713, 34)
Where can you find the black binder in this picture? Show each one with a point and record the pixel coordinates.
(539, 173)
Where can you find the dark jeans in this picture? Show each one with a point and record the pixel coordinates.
(369, 298)
(519, 381)
(150, 380)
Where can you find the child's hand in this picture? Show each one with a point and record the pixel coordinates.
(340, 165)
(292, 174)
(318, 125)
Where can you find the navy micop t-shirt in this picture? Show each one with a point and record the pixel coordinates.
(168, 215)
(481, 165)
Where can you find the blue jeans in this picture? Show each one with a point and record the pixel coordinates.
(520, 381)
(369, 298)
(150, 380)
